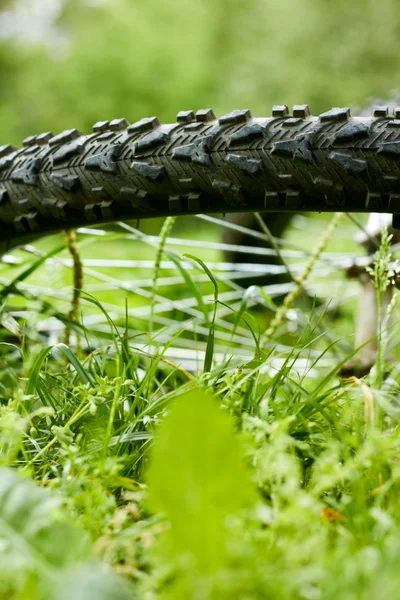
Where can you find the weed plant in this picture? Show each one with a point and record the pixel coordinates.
(168, 449)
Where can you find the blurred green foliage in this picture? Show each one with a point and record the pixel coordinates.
(324, 522)
(201, 481)
(136, 58)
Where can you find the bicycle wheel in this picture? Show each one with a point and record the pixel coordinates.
(286, 163)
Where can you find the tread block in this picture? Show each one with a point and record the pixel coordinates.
(198, 152)
(118, 124)
(280, 110)
(44, 138)
(293, 199)
(139, 199)
(148, 171)
(27, 222)
(380, 111)
(57, 208)
(28, 173)
(372, 201)
(246, 134)
(66, 183)
(201, 154)
(146, 124)
(323, 185)
(184, 153)
(178, 204)
(247, 165)
(104, 161)
(106, 209)
(286, 178)
(232, 193)
(193, 126)
(152, 140)
(390, 149)
(393, 123)
(292, 122)
(335, 114)
(394, 202)
(185, 116)
(235, 117)
(353, 166)
(106, 135)
(32, 220)
(66, 152)
(205, 115)
(62, 208)
(396, 221)
(20, 224)
(186, 183)
(392, 182)
(90, 211)
(100, 126)
(66, 136)
(397, 112)
(196, 202)
(333, 192)
(271, 200)
(298, 149)
(29, 141)
(31, 149)
(3, 196)
(5, 163)
(302, 111)
(338, 195)
(352, 132)
(49, 204)
(7, 149)
(100, 193)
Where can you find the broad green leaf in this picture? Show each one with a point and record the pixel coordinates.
(37, 548)
(92, 582)
(28, 532)
(197, 479)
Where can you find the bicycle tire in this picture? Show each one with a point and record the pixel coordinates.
(292, 162)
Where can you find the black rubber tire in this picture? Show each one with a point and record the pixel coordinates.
(290, 162)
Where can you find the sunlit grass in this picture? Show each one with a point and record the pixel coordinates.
(320, 484)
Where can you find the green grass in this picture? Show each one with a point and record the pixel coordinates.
(192, 458)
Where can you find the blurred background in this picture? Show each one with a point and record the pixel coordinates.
(69, 63)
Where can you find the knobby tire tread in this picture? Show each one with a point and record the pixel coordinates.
(289, 162)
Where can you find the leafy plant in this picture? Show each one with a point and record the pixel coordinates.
(42, 554)
(198, 481)
(265, 478)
